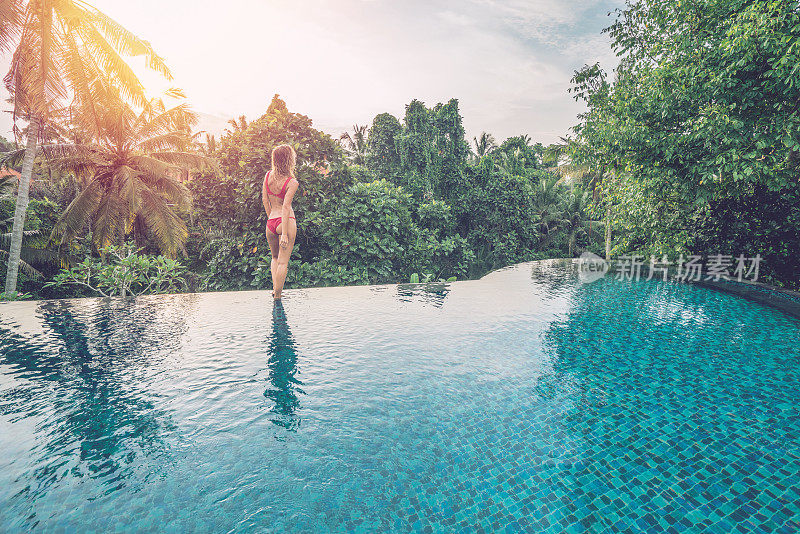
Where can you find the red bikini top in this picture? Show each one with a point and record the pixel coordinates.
(280, 195)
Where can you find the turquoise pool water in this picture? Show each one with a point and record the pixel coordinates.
(525, 401)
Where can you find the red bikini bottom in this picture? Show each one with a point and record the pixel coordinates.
(272, 224)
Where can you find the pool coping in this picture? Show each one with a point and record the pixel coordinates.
(785, 300)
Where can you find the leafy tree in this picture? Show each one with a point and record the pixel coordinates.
(547, 206)
(383, 237)
(34, 255)
(516, 156)
(61, 47)
(382, 155)
(233, 262)
(569, 160)
(701, 113)
(754, 222)
(6, 145)
(245, 155)
(238, 125)
(432, 148)
(497, 217)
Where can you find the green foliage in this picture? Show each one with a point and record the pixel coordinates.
(38, 258)
(124, 273)
(6, 145)
(429, 277)
(355, 145)
(16, 295)
(516, 156)
(131, 162)
(433, 151)
(757, 221)
(245, 155)
(485, 145)
(699, 122)
(445, 216)
(233, 262)
(382, 152)
(374, 225)
(324, 272)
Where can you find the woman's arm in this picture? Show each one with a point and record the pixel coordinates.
(287, 210)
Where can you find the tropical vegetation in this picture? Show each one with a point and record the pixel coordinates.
(690, 148)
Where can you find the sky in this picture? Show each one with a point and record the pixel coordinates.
(342, 62)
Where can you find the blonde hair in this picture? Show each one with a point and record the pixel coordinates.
(284, 160)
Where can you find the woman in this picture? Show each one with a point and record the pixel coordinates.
(279, 188)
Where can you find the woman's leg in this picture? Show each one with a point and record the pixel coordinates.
(274, 247)
(282, 267)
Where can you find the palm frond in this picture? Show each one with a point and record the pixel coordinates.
(116, 69)
(78, 212)
(168, 229)
(78, 159)
(180, 159)
(175, 92)
(172, 191)
(25, 266)
(127, 187)
(180, 117)
(129, 44)
(7, 184)
(151, 166)
(30, 88)
(167, 141)
(11, 21)
(5, 238)
(110, 221)
(80, 73)
(12, 158)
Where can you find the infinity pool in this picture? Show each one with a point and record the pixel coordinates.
(525, 401)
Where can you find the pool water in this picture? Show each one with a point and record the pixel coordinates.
(525, 401)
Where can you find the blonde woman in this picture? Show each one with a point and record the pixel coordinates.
(280, 185)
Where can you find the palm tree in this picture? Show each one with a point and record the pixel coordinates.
(485, 144)
(589, 177)
(132, 175)
(238, 126)
(356, 145)
(61, 46)
(511, 162)
(547, 205)
(575, 221)
(6, 188)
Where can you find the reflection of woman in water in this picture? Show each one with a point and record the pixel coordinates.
(282, 366)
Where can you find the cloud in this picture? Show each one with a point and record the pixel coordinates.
(540, 20)
(457, 19)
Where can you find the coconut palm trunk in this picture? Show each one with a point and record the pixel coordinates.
(21, 208)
